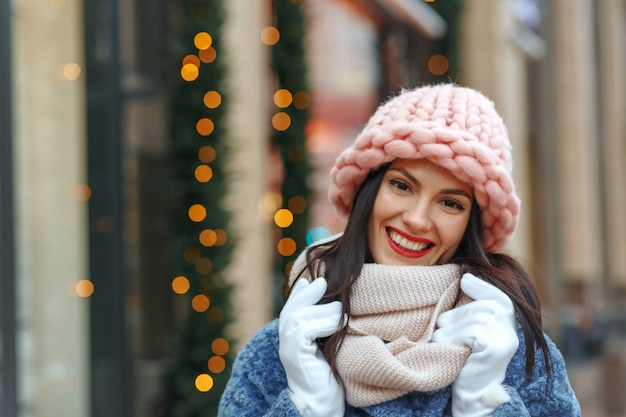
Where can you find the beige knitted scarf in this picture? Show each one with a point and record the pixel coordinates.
(388, 351)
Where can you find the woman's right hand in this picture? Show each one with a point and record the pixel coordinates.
(312, 386)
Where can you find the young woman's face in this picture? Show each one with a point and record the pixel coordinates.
(419, 215)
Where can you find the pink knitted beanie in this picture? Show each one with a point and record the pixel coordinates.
(455, 127)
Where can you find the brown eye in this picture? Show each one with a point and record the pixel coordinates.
(401, 185)
(452, 203)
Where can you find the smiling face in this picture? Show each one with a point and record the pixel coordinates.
(419, 215)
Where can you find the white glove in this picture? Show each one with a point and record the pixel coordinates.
(487, 325)
(312, 386)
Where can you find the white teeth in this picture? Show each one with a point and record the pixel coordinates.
(406, 243)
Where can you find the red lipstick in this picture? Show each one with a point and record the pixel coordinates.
(409, 253)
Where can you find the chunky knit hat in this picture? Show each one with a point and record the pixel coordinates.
(455, 127)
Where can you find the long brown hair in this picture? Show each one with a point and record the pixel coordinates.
(341, 262)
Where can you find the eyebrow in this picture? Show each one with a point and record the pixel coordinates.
(452, 191)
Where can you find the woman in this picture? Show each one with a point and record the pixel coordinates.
(411, 311)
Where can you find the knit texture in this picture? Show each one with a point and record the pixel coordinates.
(258, 387)
(455, 127)
(388, 350)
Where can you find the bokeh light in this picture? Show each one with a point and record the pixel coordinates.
(282, 98)
(286, 246)
(208, 237)
(180, 285)
(191, 254)
(189, 72)
(203, 173)
(220, 346)
(222, 237)
(216, 364)
(204, 382)
(191, 59)
(270, 36)
(302, 100)
(202, 41)
(207, 55)
(438, 64)
(281, 121)
(205, 126)
(204, 266)
(297, 204)
(283, 218)
(84, 288)
(215, 315)
(82, 192)
(212, 99)
(200, 303)
(197, 213)
(71, 71)
(206, 154)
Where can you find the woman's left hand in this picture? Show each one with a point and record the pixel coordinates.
(487, 326)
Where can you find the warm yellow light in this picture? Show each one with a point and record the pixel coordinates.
(204, 173)
(220, 346)
(200, 303)
(216, 364)
(286, 246)
(272, 200)
(197, 213)
(208, 237)
(189, 72)
(82, 192)
(283, 218)
(212, 99)
(202, 41)
(180, 285)
(270, 35)
(281, 121)
(204, 266)
(221, 237)
(191, 59)
(302, 100)
(71, 71)
(297, 204)
(84, 288)
(204, 382)
(282, 98)
(207, 55)
(206, 154)
(438, 64)
(205, 126)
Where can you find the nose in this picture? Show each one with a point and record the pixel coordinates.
(417, 216)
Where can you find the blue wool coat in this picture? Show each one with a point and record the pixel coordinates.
(258, 387)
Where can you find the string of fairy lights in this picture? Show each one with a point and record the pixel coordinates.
(283, 217)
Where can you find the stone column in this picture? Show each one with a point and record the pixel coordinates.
(51, 234)
(577, 136)
(249, 119)
(492, 63)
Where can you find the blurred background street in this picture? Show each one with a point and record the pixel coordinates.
(163, 162)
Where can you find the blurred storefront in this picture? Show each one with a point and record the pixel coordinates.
(83, 142)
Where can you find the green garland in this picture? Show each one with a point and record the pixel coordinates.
(200, 263)
(289, 65)
(448, 45)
